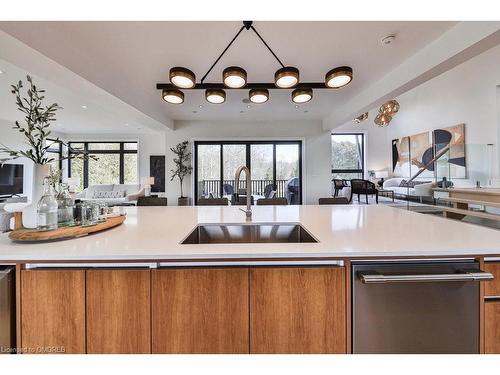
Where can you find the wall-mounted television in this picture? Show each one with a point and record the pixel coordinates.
(11, 179)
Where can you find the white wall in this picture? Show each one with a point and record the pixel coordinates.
(316, 156)
(466, 94)
(15, 140)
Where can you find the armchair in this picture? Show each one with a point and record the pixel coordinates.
(363, 187)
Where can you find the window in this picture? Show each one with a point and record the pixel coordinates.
(348, 156)
(275, 165)
(55, 152)
(116, 164)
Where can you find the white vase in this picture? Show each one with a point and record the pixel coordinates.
(30, 215)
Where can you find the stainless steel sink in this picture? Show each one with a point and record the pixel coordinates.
(248, 233)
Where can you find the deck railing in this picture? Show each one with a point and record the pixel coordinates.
(207, 187)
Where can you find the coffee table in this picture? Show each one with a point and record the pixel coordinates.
(386, 193)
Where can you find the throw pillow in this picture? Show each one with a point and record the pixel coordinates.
(403, 183)
(118, 194)
(101, 194)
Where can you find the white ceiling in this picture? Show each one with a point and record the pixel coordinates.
(127, 59)
(72, 118)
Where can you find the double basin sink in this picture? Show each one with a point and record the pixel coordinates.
(249, 233)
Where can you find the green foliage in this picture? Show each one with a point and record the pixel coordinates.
(182, 163)
(37, 121)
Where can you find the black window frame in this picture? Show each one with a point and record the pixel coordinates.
(248, 159)
(59, 151)
(359, 171)
(121, 152)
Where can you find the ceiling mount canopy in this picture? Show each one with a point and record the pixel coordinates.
(235, 77)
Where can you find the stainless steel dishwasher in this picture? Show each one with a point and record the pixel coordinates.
(7, 311)
(416, 306)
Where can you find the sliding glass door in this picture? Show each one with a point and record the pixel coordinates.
(275, 167)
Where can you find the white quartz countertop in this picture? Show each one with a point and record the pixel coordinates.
(351, 231)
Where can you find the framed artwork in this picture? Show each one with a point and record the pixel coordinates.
(411, 153)
(157, 170)
(453, 163)
(401, 156)
(421, 154)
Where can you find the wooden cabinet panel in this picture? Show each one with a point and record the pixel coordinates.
(492, 327)
(118, 311)
(200, 310)
(297, 310)
(53, 310)
(492, 288)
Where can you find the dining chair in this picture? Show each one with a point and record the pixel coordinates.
(272, 202)
(334, 200)
(151, 201)
(213, 202)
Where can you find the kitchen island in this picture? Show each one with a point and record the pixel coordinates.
(138, 289)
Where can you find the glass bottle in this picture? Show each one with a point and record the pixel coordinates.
(47, 207)
(64, 206)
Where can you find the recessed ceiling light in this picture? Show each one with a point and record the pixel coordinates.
(84, 106)
(200, 106)
(173, 96)
(296, 106)
(234, 77)
(2, 71)
(302, 95)
(249, 106)
(258, 96)
(182, 77)
(215, 96)
(286, 77)
(338, 77)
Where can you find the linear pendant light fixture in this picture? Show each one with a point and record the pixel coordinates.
(235, 77)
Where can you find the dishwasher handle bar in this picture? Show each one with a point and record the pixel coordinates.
(474, 275)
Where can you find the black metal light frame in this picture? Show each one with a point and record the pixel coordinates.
(270, 86)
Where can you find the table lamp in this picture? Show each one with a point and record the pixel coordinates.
(381, 175)
(147, 182)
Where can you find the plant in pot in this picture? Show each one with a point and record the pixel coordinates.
(36, 130)
(182, 169)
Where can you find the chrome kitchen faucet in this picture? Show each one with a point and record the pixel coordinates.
(248, 211)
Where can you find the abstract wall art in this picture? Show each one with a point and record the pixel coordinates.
(411, 153)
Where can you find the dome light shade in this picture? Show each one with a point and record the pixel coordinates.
(182, 77)
(302, 95)
(286, 77)
(234, 77)
(338, 77)
(173, 96)
(215, 96)
(258, 96)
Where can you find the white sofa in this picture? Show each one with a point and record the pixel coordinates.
(420, 190)
(113, 194)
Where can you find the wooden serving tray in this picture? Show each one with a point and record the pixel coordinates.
(34, 235)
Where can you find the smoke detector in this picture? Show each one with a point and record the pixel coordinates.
(389, 39)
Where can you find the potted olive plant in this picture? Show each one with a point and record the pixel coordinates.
(182, 169)
(36, 130)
